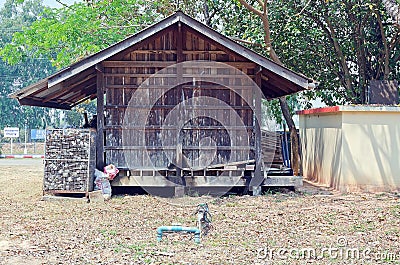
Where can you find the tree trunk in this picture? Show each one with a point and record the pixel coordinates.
(263, 14)
(294, 140)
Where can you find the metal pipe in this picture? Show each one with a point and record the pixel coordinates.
(178, 228)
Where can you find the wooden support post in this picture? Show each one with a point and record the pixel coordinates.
(257, 179)
(100, 117)
(179, 45)
(179, 80)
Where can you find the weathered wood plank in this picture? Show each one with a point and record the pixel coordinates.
(100, 120)
(199, 76)
(193, 52)
(157, 64)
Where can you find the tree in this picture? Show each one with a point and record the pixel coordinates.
(262, 13)
(348, 42)
(13, 17)
(357, 44)
(68, 34)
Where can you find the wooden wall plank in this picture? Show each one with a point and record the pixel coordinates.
(100, 120)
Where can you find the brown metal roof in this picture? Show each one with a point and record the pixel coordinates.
(77, 83)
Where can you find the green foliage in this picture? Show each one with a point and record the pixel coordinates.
(338, 43)
(67, 35)
(12, 18)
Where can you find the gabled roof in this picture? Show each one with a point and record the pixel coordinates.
(76, 83)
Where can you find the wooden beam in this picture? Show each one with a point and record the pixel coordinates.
(179, 59)
(282, 86)
(160, 64)
(99, 68)
(286, 83)
(270, 91)
(91, 97)
(205, 51)
(258, 76)
(258, 179)
(78, 77)
(263, 77)
(87, 91)
(85, 82)
(68, 97)
(79, 101)
(31, 90)
(156, 64)
(179, 44)
(182, 75)
(189, 86)
(100, 121)
(176, 51)
(39, 103)
(137, 75)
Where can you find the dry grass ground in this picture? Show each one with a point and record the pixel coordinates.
(19, 148)
(276, 228)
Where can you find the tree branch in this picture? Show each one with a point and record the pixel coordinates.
(246, 41)
(358, 39)
(260, 2)
(385, 46)
(63, 4)
(330, 33)
(394, 41)
(265, 8)
(251, 8)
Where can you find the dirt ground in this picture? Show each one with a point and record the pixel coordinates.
(306, 226)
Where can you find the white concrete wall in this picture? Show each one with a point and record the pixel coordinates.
(352, 149)
(371, 150)
(321, 142)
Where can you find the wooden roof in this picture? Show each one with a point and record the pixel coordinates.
(77, 83)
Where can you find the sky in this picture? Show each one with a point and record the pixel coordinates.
(51, 3)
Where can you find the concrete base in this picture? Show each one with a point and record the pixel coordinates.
(179, 192)
(257, 190)
(200, 181)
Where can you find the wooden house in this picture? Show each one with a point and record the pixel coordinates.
(170, 49)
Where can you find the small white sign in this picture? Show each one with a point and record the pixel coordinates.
(12, 132)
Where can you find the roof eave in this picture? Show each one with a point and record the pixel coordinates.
(42, 84)
(33, 102)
